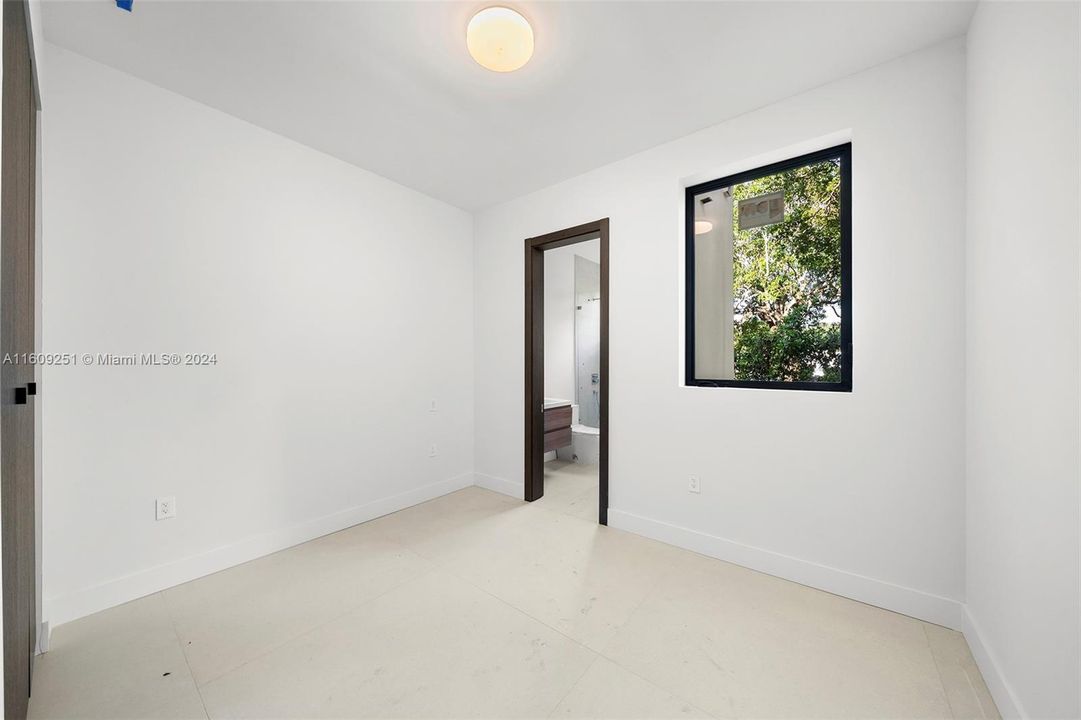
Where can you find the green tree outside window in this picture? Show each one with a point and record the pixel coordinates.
(787, 279)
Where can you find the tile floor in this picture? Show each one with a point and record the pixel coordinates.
(479, 605)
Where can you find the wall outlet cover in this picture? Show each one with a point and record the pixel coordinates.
(694, 484)
(165, 508)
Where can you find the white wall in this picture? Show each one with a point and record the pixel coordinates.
(860, 493)
(587, 341)
(339, 305)
(1024, 459)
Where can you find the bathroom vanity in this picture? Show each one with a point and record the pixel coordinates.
(557, 424)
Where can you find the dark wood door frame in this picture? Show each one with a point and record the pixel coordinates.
(18, 182)
(534, 355)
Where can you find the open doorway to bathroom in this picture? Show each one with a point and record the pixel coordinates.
(566, 369)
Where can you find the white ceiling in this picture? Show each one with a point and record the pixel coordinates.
(389, 86)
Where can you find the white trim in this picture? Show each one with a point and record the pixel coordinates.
(44, 635)
(1009, 706)
(80, 603)
(907, 601)
(499, 485)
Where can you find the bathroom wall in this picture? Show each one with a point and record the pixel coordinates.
(1023, 617)
(587, 340)
(560, 377)
(338, 304)
(860, 493)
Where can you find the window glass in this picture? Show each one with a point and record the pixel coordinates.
(768, 287)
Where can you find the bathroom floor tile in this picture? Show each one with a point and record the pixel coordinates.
(564, 481)
(571, 488)
(436, 647)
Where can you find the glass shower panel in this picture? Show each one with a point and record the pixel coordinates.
(587, 339)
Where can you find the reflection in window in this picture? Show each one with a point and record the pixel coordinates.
(768, 288)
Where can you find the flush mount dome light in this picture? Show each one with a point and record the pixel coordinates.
(499, 39)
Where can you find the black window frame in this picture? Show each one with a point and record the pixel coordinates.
(838, 152)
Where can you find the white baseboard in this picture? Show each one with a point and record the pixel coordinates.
(1008, 704)
(499, 485)
(44, 634)
(80, 603)
(907, 601)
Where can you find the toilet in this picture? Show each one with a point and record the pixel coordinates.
(585, 447)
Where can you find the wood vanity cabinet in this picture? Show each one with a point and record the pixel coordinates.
(557, 428)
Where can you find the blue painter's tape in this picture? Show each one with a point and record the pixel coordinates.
(125, 4)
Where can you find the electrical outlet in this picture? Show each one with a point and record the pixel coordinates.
(434, 451)
(694, 484)
(434, 407)
(165, 508)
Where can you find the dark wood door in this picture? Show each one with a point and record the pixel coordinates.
(17, 198)
(534, 423)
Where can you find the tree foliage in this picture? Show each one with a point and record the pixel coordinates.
(787, 279)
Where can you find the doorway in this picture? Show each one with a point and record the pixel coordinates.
(554, 426)
(18, 181)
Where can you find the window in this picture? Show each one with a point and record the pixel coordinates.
(769, 276)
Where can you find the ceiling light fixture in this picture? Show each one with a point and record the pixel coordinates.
(499, 39)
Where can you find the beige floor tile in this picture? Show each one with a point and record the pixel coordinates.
(607, 691)
(434, 648)
(470, 605)
(442, 533)
(571, 488)
(742, 644)
(426, 527)
(584, 506)
(580, 578)
(965, 689)
(228, 618)
(125, 662)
